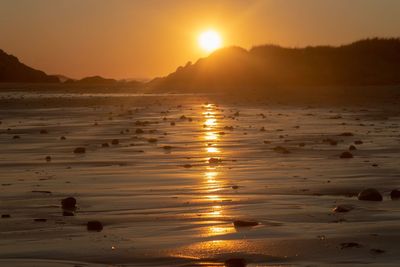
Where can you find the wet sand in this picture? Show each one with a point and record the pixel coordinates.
(163, 202)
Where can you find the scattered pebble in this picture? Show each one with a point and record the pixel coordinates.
(350, 245)
(235, 262)
(245, 223)
(370, 194)
(281, 149)
(80, 150)
(94, 226)
(68, 203)
(346, 155)
(115, 142)
(395, 194)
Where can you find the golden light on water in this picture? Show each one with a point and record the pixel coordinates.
(211, 179)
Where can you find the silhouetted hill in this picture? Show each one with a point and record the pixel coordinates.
(11, 70)
(366, 62)
(92, 80)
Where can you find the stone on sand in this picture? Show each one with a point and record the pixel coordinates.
(235, 262)
(370, 194)
(115, 142)
(395, 194)
(68, 203)
(95, 226)
(346, 155)
(80, 150)
(244, 223)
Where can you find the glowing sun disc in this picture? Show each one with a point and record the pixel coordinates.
(210, 40)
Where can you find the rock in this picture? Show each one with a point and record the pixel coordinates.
(68, 203)
(370, 194)
(63, 138)
(395, 194)
(214, 160)
(5, 216)
(281, 149)
(167, 147)
(115, 142)
(48, 158)
(235, 187)
(377, 250)
(187, 166)
(346, 134)
(350, 245)
(139, 131)
(94, 226)
(16, 137)
(105, 145)
(358, 142)
(340, 208)
(346, 155)
(40, 220)
(351, 147)
(330, 141)
(235, 262)
(244, 223)
(80, 150)
(262, 129)
(68, 213)
(152, 140)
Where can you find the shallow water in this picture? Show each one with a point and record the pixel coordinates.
(172, 207)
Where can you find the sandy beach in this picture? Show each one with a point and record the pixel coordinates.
(183, 169)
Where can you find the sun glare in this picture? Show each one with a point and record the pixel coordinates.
(210, 40)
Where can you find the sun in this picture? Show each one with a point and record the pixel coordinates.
(210, 40)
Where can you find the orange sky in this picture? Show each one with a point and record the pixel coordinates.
(144, 39)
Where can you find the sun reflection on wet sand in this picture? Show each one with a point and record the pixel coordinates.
(212, 183)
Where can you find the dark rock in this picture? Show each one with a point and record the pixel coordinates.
(16, 137)
(235, 262)
(340, 208)
(48, 158)
(5, 216)
(68, 203)
(395, 194)
(244, 223)
(105, 145)
(139, 131)
(80, 150)
(377, 250)
(346, 155)
(235, 187)
(350, 245)
(370, 194)
(152, 140)
(94, 226)
(187, 166)
(346, 134)
(115, 142)
(351, 147)
(281, 149)
(214, 160)
(63, 138)
(358, 142)
(40, 220)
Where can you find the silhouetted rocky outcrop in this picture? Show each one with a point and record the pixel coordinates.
(366, 62)
(93, 80)
(13, 71)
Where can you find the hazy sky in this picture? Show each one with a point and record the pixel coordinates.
(143, 39)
